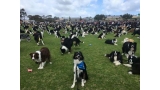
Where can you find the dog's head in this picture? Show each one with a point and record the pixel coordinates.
(78, 55)
(62, 39)
(114, 40)
(113, 54)
(35, 56)
(133, 59)
(133, 46)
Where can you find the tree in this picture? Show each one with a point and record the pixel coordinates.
(23, 13)
(80, 18)
(99, 17)
(35, 17)
(126, 16)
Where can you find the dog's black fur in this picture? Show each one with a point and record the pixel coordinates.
(127, 46)
(113, 54)
(62, 39)
(68, 43)
(136, 32)
(99, 36)
(110, 41)
(135, 64)
(37, 36)
(58, 34)
(76, 41)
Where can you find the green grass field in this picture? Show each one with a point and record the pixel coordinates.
(103, 75)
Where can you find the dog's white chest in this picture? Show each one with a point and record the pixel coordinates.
(64, 47)
(130, 52)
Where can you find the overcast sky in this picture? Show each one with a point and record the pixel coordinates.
(77, 8)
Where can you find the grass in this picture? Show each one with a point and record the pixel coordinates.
(103, 75)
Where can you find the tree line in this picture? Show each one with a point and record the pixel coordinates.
(49, 18)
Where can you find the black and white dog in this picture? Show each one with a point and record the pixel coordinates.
(76, 41)
(115, 57)
(79, 69)
(129, 48)
(38, 37)
(136, 32)
(111, 41)
(41, 56)
(134, 63)
(57, 34)
(102, 35)
(25, 36)
(66, 45)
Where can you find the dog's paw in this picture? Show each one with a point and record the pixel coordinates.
(50, 62)
(72, 86)
(40, 68)
(129, 72)
(82, 84)
(105, 55)
(117, 64)
(127, 65)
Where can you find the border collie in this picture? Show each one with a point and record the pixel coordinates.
(76, 41)
(62, 39)
(102, 35)
(136, 32)
(66, 45)
(40, 57)
(38, 37)
(118, 33)
(134, 63)
(57, 34)
(129, 48)
(84, 34)
(111, 41)
(79, 69)
(115, 57)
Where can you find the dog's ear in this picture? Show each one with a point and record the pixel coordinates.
(30, 54)
(108, 55)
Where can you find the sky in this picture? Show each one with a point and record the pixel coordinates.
(77, 8)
